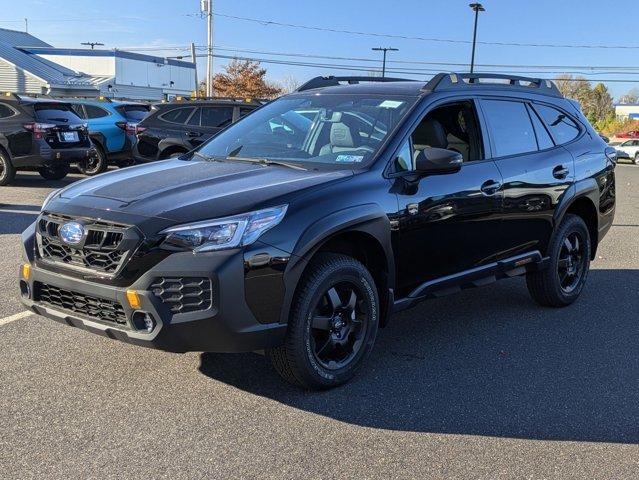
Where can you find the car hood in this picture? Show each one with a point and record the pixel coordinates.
(184, 191)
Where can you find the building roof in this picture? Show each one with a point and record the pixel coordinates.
(20, 39)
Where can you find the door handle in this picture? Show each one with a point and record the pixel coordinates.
(490, 187)
(193, 134)
(560, 172)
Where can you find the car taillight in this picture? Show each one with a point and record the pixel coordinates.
(134, 128)
(122, 125)
(38, 129)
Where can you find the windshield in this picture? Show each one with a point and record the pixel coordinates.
(325, 129)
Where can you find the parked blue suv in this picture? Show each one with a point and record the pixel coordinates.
(112, 131)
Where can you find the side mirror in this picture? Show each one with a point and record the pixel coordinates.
(438, 161)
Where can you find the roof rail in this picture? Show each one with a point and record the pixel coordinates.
(454, 81)
(186, 98)
(331, 81)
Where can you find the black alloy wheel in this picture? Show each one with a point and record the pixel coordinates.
(571, 263)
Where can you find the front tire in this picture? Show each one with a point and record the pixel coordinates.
(95, 164)
(636, 159)
(57, 172)
(562, 282)
(332, 325)
(7, 170)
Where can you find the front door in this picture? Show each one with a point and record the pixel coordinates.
(206, 122)
(449, 223)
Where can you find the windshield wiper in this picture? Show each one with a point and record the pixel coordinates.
(267, 161)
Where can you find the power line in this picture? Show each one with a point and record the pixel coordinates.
(423, 39)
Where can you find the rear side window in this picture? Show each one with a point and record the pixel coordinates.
(79, 111)
(6, 111)
(218, 117)
(57, 113)
(133, 113)
(562, 128)
(245, 111)
(543, 138)
(510, 127)
(95, 112)
(177, 115)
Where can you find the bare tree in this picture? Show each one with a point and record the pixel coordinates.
(289, 84)
(631, 97)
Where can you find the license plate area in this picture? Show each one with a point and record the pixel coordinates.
(68, 136)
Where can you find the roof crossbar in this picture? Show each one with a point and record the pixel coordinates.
(455, 81)
(331, 81)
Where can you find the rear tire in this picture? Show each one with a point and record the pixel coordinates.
(562, 282)
(332, 325)
(7, 170)
(54, 173)
(95, 164)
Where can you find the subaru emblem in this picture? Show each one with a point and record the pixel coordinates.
(72, 233)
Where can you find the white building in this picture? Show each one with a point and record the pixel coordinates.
(29, 65)
(628, 110)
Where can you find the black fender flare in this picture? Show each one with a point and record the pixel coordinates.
(366, 218)
(166, 143)
(4, 143)
(98, 140)
(586, 188)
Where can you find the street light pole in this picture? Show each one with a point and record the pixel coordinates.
(206, 6)
(384, 49)
(477, 7)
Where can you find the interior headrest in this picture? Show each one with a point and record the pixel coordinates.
(341, 135)
(432, 133)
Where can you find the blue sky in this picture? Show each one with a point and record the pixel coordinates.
(160, 23)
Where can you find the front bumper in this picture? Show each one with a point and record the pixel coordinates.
(227, 325)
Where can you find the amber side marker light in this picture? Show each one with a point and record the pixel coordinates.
(134, 299)
(26, 271)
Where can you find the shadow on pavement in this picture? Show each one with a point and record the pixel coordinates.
(487, 362)
(15, 218)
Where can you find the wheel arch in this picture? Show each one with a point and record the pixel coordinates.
(165, 150)
(362, 232)
(583, 203)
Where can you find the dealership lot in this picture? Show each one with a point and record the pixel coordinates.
(485, 384)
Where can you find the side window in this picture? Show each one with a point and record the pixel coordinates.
(543, 138)
(195, 118)
(404, 160)
(510, 127)
(6, 111)
(79, 111)
(216, 116)
(562, 128)
(95, 112)
(177, 115)
(245, 111)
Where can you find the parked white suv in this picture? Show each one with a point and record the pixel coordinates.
(629, 149)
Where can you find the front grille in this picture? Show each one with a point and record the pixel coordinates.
(103, 248)
(184, 294)
(88, 306)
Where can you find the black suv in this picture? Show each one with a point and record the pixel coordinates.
(40, 134)
(172, 129)
(303, 227)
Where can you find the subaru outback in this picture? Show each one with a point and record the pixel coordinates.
(303, 227)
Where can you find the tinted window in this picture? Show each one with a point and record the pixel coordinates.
(216, 116)
(79, 111)
(56, 113)
(245, 111)
(562, 128)
(95, 112)
(5, 111)
(195, 118)
(543, 138)
(510, 127)
(177, 115)
(133, 113)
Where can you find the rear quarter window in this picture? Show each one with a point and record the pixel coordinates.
(562, 128)
(6, 111)
(177, 115)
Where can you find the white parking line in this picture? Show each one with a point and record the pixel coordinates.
(12, 318)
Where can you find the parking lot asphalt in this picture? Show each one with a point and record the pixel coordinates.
(484, 384)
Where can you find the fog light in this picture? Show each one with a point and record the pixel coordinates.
(134, 299)
(26, 271)
(143, 321)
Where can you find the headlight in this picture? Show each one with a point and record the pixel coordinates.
(49, 198)
(223, 233)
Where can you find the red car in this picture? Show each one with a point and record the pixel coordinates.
(630, 134)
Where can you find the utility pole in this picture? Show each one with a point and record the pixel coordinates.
(26, 25)
(92, 44)
(476, 7)
(384, 49)
(206, 6)
(194, 60)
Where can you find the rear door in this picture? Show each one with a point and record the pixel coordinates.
(206, 122)
(537, 171)
(102, 121)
